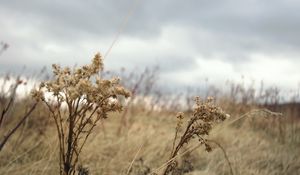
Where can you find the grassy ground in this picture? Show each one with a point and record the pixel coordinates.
(258, 143)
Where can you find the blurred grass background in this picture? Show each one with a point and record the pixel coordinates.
(256, 142)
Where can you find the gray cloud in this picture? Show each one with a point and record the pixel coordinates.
(171, 33)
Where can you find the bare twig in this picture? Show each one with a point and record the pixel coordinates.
(10, 133)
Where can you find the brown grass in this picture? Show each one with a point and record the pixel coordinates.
(254, 140)
(250, 151)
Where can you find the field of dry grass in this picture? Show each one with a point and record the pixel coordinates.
(259, 143)
(138, 141)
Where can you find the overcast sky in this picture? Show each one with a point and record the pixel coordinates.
(190, 40)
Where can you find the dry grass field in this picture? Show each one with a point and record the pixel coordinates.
(255, 139)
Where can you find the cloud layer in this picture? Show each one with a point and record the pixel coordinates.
(189, 40)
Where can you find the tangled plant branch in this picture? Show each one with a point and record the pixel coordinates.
(80, 99)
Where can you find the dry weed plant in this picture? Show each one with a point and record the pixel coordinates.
(81, 98)
(7, 102)
(140, 85)
(205, 114)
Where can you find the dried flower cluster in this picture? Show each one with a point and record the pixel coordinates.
(205, 114)
(88, 98)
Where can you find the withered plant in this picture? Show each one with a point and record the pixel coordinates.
(7, 104)
(80, 98)
(140, 84)
(205, 114)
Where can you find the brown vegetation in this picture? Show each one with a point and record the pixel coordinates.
(255, 139)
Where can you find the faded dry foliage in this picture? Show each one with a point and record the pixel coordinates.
(88, 99)
(205, 114)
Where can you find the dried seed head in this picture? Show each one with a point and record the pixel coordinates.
(78, 84)
(37, 95)
(180, 115)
